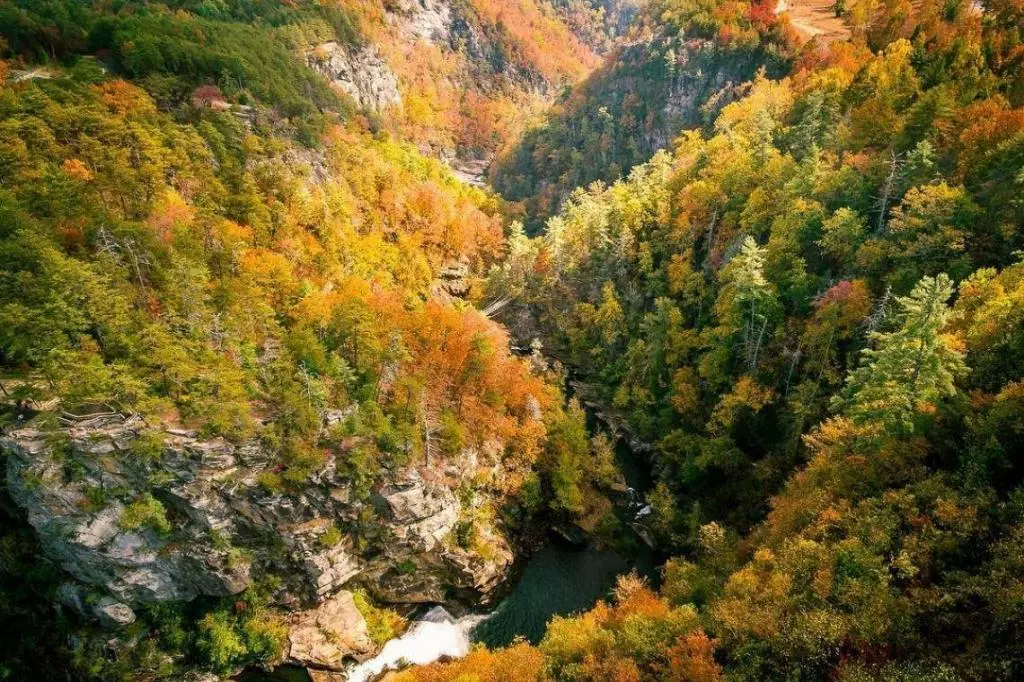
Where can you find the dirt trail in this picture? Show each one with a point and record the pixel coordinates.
(814, 18)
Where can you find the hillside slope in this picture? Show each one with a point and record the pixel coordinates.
(243, 388)
(811, 310)
(679, 65)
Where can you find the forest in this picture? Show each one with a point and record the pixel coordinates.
(789, 271)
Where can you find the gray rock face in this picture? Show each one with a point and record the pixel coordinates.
(90, 539)
(82, 489)
(326, 636)
(429, 20)
(331, 568)
(361, 72)
(423, 514)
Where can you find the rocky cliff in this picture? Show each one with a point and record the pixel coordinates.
(136, 514)
(359, 71)
(482, 54)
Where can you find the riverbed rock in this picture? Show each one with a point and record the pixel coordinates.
(324, 675)
(571, 534)
(328, 635)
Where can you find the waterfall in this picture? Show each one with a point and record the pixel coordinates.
(433, 636)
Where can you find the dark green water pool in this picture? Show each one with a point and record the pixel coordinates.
(556, 581)
(559, 580)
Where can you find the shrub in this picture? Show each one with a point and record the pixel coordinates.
(383, 624)
(243, 634)
(146, 511)
(148, 447)
(331, 537)
(271, 482)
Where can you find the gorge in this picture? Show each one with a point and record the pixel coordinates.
(511, 340)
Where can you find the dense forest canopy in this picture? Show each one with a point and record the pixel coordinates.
(793, 269)
(680, 64)
(797, 306)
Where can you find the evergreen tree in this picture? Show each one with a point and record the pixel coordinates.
(910, 367)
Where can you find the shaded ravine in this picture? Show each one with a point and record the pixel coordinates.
(565, 575)
(562, 579)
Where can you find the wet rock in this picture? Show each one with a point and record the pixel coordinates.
(571, 534)
(324, 675)
(328, 635)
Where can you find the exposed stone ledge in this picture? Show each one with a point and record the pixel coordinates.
(325, 637)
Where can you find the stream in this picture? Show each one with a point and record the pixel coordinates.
(558, 580)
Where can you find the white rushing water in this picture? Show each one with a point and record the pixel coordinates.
(433, 636)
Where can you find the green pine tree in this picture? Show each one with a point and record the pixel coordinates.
(909, 367)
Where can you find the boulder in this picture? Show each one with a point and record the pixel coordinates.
(327, 636)
(324, 675)
(113, 614)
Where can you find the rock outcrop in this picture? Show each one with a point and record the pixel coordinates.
(112, 613)
(328, 636)
(422, 515)
(359, 71)
(189, 517)
(429, 20)
(453, 281)
(63, 481)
